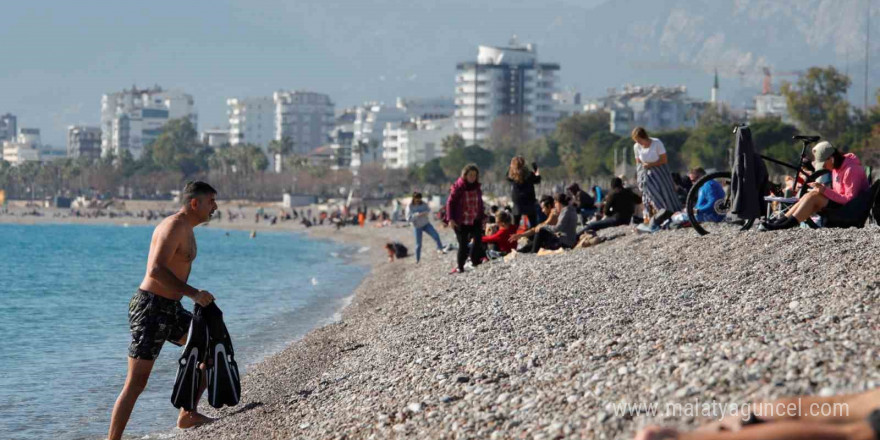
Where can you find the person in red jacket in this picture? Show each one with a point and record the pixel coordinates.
(465, 213)
(501, 238)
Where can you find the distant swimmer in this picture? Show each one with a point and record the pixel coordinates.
(155, 314)
(254, 233)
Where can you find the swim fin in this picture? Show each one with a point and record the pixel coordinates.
(189, 375)
(224, 386)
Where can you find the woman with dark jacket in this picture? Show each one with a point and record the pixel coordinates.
(522, 191)
(464, 213)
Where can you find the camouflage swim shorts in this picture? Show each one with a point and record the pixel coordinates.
(153, 320)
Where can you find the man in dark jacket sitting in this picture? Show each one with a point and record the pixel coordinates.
(619, 208)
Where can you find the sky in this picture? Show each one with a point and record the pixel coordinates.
(59, 57)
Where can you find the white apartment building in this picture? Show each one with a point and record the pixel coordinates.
(414, 143)
(504, 82)
(83, 141)
(370, 121)
(305, 117)
(132, 119)
(52, 154)
(567, 104)
(251, 121)
(654, 107)
(17, 154)
(427, 108)
(215, 137)
(770, 105)
(25, 147)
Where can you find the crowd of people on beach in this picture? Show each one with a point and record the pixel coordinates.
(525, 223)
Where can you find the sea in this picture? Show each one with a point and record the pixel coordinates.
(64, 335)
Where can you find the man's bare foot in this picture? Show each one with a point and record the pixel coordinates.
(657, 433)
(191, 419)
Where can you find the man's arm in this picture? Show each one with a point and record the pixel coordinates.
(704, 199)
(608, 208)
(167, 243)
(846, 194)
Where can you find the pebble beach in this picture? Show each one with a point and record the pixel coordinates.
(546, 347)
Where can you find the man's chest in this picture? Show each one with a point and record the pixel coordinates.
(188, 249)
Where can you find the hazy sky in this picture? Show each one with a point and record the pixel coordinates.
(58, 57)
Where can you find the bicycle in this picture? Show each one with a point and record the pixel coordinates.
(722, 206)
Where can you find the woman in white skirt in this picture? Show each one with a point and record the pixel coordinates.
(654, 178)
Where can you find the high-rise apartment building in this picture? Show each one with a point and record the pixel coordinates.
(132, 119)
(414, 143)
(305, 117)
(251, 121)
(427, 108)
(23, 148)
(505, 85)
(83, 141)
(8, 127)
(370, 121)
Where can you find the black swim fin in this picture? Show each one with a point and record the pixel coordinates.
(224, 386)
(189, 375)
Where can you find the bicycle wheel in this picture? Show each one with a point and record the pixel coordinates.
(721, 206)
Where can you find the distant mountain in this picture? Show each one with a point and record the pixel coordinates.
(683, 41)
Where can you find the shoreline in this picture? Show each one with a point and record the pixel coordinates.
(362, 248)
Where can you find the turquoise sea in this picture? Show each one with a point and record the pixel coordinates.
(64, 293)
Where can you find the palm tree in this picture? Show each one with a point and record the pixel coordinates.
(279, 149)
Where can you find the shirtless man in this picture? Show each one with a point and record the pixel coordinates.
(155, 314)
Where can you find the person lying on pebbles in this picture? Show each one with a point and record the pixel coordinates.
(846, 417)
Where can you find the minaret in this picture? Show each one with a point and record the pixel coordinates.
(714, 96)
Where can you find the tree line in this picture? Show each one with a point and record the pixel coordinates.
(581, 147)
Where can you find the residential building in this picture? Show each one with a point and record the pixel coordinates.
(133, 119)
(24, 148)
(8, 127)
(83, 141)
(216, 137)
(427, 108)
(653, 107)
(414, 143)
(307, 118)
(370, 121)
(17, 153)
(771, 105)
(49, 154)
(567, 104)
(341, 138)
(322, 156)
(251, 121)
(505, 82)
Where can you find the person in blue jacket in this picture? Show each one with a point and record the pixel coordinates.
(709, 194)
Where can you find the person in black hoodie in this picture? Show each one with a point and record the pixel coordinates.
(522, 191)
(619, 207)
(586, 205)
